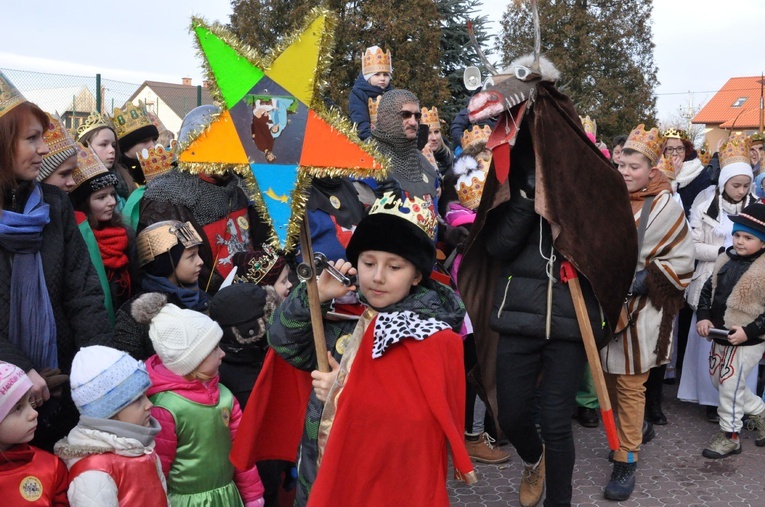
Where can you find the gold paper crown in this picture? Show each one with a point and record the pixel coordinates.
(58, 140)
(154, 119)
(757, 138)
(675, 134)
(650, 143)
(469, 193)
(429, 156)
(414, 210)
(375, 61)
(589, 125)
(430, 118)
(10, 96)
(475, 136)
(156, 161)
(130, 120)
(160, 237)
(704, 154)
(88, 166)
(258, 267)
(735, 149)
(373, 104)
(667, 167)
(94, 121)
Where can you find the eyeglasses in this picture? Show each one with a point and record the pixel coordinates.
(408, 114)
(676, 149)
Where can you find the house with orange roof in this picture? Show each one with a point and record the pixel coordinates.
(735, 108)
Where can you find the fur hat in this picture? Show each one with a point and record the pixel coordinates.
(243, 310)
(106, 380)
(751, 220)
(181, 338)
(14, 384)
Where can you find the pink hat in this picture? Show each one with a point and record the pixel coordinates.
(14, 384)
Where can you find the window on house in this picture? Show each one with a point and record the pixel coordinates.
(739, 102)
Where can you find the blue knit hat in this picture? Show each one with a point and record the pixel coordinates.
(105, 380)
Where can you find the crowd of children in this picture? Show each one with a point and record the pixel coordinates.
(174, 354)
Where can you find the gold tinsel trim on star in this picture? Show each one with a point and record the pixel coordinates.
(195, 134)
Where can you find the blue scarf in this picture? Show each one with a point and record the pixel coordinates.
(32, 325)
(191, 298)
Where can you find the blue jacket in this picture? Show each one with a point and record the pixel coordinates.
(357, 104)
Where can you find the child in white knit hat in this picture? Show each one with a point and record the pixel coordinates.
(110, 453)
(199, 416)
(28, 475)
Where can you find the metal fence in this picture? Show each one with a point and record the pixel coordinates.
(73, 98)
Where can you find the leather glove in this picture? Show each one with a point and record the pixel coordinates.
(454, 236)
(389, 185)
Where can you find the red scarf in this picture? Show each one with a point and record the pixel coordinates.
(113, 245)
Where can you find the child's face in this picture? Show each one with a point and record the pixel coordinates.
(737, 187)
(636, 170)
(211, 363)
(138, 412)
(381, 79)
(385, 278)
(188, 268)
(283, 284)
(746, 244)
(19, 425)
(62, 177)
(104, 143)
(102, 204)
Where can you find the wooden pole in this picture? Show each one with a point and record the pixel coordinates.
(593, 357)
(312, 288)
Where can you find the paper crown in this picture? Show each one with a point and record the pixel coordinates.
(430, 118)
(89, 166)
(414, 210)
(475, 135)
(160, 237)
(130, 120)
(428, 153)
(156, 161)
(10, 96)
(375, 61)
(373, 104)
(675, 134)
(667, 167)
(154, 119)
(650, 143)
(589, 125)
(704, 154)
(60, 144)
(94, 121)
(757, 138)
(258, 267)
(735, 149)
(470, 181)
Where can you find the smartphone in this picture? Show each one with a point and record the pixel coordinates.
(719, 333)
(422, 136)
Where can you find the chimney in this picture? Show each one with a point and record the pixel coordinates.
(186, 81)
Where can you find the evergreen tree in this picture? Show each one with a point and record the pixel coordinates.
(604, 51)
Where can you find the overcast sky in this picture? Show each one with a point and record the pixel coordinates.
(699, 43)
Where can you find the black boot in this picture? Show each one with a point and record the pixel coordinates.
(653, 388)
(622, 481)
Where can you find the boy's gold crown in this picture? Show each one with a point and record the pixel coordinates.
(88, 165)
(589, 125)
(674, 133)
(94, 121)
(475, 135)
(648, 142)
(10, 96)
(58, 140)
(414, 210)
(375, 60)
(735, 149)
(430, 118)
(156, 161)
(130, 120)
(160, 237)
(757, 138)
(373, 104)
(258, 267)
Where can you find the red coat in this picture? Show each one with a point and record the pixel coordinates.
(388, 443)
(31, 476)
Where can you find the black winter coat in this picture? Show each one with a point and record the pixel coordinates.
(520, 306)
(73, 286)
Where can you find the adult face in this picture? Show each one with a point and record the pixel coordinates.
(674, 150)
(434, 138)
(756, 153)
(410, 117)
(29, 150)
(617, 153)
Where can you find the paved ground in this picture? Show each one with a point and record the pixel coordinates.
(671, 471)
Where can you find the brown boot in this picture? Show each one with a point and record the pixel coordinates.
(533, 482)
(483, 450)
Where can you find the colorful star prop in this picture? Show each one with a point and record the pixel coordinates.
(273, 128)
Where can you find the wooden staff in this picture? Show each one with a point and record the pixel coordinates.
(307, 273)
(570, 276)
